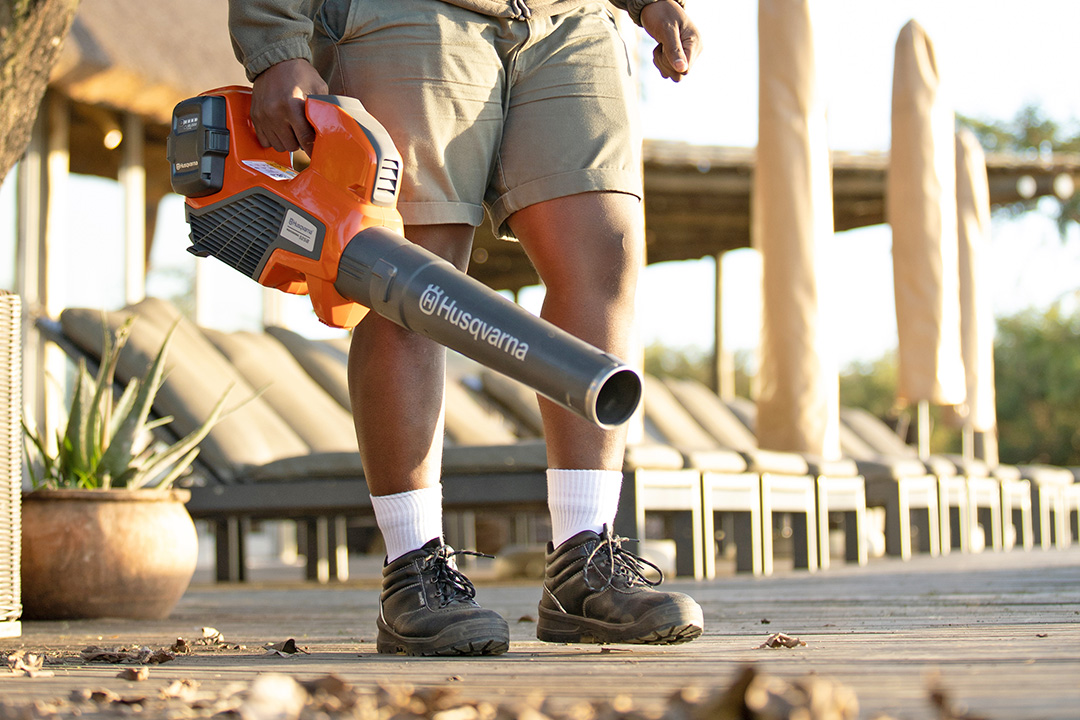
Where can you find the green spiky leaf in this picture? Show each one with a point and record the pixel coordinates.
(98, 447)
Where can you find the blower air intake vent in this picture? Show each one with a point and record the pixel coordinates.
(238, 233)
(386, 182)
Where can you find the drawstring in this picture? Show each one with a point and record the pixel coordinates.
(520, 9)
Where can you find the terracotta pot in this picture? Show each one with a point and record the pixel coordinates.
(105, 553)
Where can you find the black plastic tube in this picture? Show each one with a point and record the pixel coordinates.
(426, 294)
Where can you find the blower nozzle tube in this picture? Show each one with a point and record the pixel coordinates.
(426, 294)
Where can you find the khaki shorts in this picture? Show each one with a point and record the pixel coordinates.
(488, 112)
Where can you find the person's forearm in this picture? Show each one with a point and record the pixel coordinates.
(266, 32)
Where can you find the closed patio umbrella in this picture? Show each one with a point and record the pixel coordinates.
(921, 208)
(976, 313)
(792, 213)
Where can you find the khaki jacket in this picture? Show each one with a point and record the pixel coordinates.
(266, 32)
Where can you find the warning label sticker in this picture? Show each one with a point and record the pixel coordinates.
(298, 230)
(271, 170)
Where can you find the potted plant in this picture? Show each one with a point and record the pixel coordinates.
(104, 531)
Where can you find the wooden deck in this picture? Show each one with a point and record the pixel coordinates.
(998, 633)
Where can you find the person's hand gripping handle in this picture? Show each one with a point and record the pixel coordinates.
(277, 105)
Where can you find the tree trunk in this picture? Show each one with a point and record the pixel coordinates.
(31, 33)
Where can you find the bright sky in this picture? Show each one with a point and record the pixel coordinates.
(995, 55)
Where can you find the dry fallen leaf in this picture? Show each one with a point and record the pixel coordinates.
(273, 697)
(185, 690)
(757, 696)
(137, 674)
(751, 695)
(104, 696)
(138, 656)
(28, 664)
(160, 656)
(780, 640)
(947, 709)
(285, 648)
(462, 712)
(212, 636)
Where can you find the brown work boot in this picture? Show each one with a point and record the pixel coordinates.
(428, 607)
(595, 591)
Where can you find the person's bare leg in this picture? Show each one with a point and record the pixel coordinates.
(587, 249)
(396, 380)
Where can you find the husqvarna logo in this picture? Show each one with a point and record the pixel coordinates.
(435, 301)
(429, 300)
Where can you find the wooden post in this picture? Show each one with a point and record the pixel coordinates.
(133, 181)
(30, 207)
(723, 366)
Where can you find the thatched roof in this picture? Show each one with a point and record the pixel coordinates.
(144, 57)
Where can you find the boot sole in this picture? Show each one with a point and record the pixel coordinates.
(670, 625)
(481, 637)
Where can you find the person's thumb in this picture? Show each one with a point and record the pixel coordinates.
(677, 57)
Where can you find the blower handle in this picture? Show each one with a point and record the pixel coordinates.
(375, 181)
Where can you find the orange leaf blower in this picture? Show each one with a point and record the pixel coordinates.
(332, 231)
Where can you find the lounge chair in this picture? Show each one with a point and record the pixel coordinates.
(901, 486)
(1016, 514)
(994, 493)
(1051, 491)
(1072, 505)
(839, 489)
(255, 465)
(952, 477)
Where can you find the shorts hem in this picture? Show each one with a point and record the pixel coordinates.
(557, 186)
(441, 213)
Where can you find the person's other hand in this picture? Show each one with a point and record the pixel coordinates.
(677, 40)
(277, 105)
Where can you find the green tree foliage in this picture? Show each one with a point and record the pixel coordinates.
(871, 385)
(1037, 359)
(1031, 132)
(695, 364)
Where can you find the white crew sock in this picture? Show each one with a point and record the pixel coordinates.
(582, 500)
(409, 519)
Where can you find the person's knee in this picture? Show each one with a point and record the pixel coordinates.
(590, 246)
(605, 270)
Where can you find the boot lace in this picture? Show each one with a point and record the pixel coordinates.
(451, 585)
(621, 564)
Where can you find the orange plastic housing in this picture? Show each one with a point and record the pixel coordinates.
(337, 189)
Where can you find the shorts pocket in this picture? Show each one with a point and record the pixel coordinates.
(337, 18)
